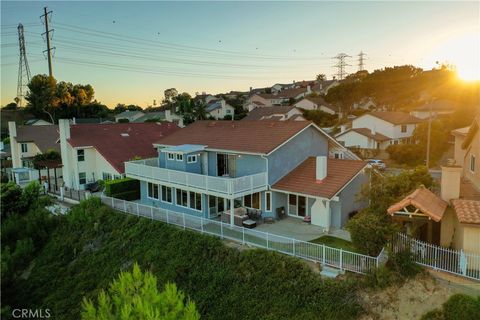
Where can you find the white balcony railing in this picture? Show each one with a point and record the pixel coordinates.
(148, 169)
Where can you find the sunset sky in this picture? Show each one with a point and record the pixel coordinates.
(132, 51)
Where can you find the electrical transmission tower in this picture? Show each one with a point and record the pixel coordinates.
(47, 36)
(23, 69)
(361, 61)
(341, 64)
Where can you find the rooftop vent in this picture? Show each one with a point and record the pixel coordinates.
(124, 134)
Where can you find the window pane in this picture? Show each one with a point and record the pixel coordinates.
(192, 200)
(268, 199)
(256, 200)
(179, 197)
(247, 201)
(184, 198)
(292, 199)
(198, 202)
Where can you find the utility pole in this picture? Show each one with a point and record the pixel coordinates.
(341, 64)
(23, 68)
(47, 34)
(361, 61)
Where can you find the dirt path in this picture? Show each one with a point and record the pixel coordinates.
(409, 301)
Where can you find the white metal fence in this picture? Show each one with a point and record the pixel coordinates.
(338, 258)
(449, 260)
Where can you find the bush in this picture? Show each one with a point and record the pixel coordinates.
(409, 154)
(436, 314)
(403, 263)
(127, 188)
(380, 277)
(10, 195)
(370, 232)
(461, 306)
(123, 121)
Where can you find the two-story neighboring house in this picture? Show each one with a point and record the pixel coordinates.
(272, 166)
(92, 152)
(277, 98)
(317, 103)
(278, 113)
(218, 108)
(129, 116)
(25, 143)
(379, 129)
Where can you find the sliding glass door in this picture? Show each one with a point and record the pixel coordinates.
(226, 165)
(297, 205)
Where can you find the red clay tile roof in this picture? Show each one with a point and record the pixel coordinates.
(303, 178)
(423, 199)
(243, 136)
(395, 117)
(44, 137)
(107, 139)
(468, 211)
(368, 133)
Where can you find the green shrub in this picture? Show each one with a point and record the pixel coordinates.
(380, 277)
(403, 263)
(436, 314)
(23, 254)
(461, 306)
(126, 187)
(370, 232)
(409, 154)
(10, 198)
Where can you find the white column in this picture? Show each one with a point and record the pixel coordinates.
(232, 215)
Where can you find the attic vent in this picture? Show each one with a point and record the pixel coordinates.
(124, 134)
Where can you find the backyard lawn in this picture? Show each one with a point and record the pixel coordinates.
(335, 242)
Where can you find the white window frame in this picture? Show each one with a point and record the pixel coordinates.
(338, 155)
(166, 190)
(106, 176)
(195, 194)
(192, 158)
(24, 147)
(149, 194)
(472, 162)
(268, 202)
(179, 157)
(177, 198)
(170, 156)
(80, 178)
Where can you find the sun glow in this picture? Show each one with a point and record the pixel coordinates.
(462, 52)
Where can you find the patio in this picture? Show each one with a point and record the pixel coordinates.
(296, 228)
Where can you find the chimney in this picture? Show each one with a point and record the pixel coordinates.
(251, 88)
(168, 115)
(74, 121)
(343, 128)
(321, 167)
(450, 183)
(67, 154)
(309, 89)
(14, 147)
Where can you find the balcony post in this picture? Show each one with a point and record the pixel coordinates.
(232, 213)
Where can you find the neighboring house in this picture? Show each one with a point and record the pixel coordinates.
(129, 115)
(280, 113)
(377, 126)
(453, 219)
(250, 105)
(284, 166)
(365, 104)
(434, 109)
(219, 108)
(25, 143)
(37, 122)
(149, 116)
(317, 103)
(279, 87)
(92, 152)
(459, 152)
(278, 98)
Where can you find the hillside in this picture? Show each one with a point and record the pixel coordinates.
(93, 243)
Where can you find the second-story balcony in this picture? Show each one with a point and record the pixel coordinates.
(149, 170)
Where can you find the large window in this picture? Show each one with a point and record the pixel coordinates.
(182, 198)
(82, 178)
(192, 159)
(106, 176)
(80, 155)
(268, 201)
(171, 156)
(152, 191)
(24, 147)
(252, 200)
(166, 194)
(195, 201)
(404, 128)
(472, 163)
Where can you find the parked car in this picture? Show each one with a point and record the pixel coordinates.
(377, 164)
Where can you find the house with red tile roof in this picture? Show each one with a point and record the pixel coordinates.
(92, 152)
(452, 218)
(225, 169)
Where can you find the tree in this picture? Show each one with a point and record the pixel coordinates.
(42, 94)
(10, 106)
(200, 110)
(170, 95)
(134, 295)
(10, 194)
(321, 77)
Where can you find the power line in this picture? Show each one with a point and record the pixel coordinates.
(361, 61)
(23, 68)
(340, 65)
(47, 34)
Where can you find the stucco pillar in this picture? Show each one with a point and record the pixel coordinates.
(65, 150)
(14, 147)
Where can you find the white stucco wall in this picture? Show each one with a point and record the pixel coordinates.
(384, 127)
(306, 104)
(354, 139)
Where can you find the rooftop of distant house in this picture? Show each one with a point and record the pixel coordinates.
(45, 137)
(394, 117)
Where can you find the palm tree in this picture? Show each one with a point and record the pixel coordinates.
(201, 110)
